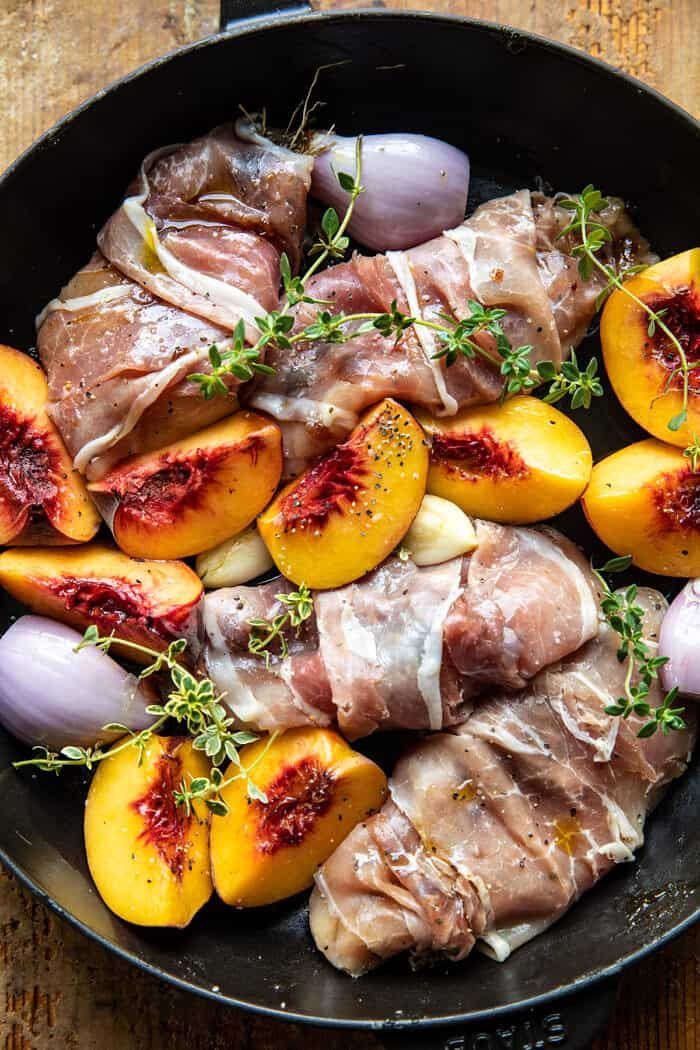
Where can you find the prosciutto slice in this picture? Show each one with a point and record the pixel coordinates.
(117, 361)
(493, 831)
(203, 225)
(406, 647)
(505, 255)
(193, 250)
(279, 695)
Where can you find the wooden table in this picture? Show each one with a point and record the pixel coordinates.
(57, 989)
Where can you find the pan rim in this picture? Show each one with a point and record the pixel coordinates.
(584, 983)
(248, 27)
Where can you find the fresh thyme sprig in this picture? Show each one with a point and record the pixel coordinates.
(193, 702)
(593, 237)
(209, 789)
(580, 385)
(692, 454)
(240, 361)
(626, 618)
(275, 327)
(299, 607)
(457, 337)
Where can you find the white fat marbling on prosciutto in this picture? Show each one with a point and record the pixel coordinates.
(400, 264)
(147, 396)
(407, 647)
(499, 944)
(300, 409)
(381, 642)
(238, 696)
(277, 694)
(214, 299)
(204, 223)
(84, 302)
(430, 666)
(465, 239)
(587, 605)
(601, 736)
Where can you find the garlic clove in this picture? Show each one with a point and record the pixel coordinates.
(440, 531)
(237, 560)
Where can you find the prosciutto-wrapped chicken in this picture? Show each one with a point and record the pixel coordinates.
(117, 360)
(505, 255)
(492, 832)
(406, 647)
(204, 224)
(193, 249)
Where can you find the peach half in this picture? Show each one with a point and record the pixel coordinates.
(641, 360)
(148, 857)
(42, 498)
(645, 501)
(317, 790)
(345, 513)
(519, 462)
(146, 602)
(195, 493)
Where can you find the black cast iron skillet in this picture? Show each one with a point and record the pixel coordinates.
(530, 113)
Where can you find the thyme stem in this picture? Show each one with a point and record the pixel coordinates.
(338, 238)
(626, 618)
(593, 236)
(100, 754)
(192, 702)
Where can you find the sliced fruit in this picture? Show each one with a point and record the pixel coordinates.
(519, 462)
(645, 501)
(195, 493)
(317, 790)
(148, 857)
(42, 498)
(235, 561)
(147, 602)
(440, 531)
(343, 515)
(641, 360)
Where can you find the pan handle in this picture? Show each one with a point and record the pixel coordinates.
(250, 10)
(570, 1023)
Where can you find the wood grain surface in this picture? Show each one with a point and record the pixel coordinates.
(59, 991)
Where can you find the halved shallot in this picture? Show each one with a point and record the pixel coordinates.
(414, 186)
(51, 695)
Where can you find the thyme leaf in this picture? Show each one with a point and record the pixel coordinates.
(299, 606)
(626, 618)
(209, 789)
(192, 702)
(456, 338)
(692, 454)
(592, 238)
(580, 385)
(239, 361)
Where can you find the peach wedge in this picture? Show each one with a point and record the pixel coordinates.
(317, 789)
(146, 602)
(195, 493)
(520, 462)
(645, 501)
(148, 857)
(641, 360)
(345, 513)
(42, 498)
